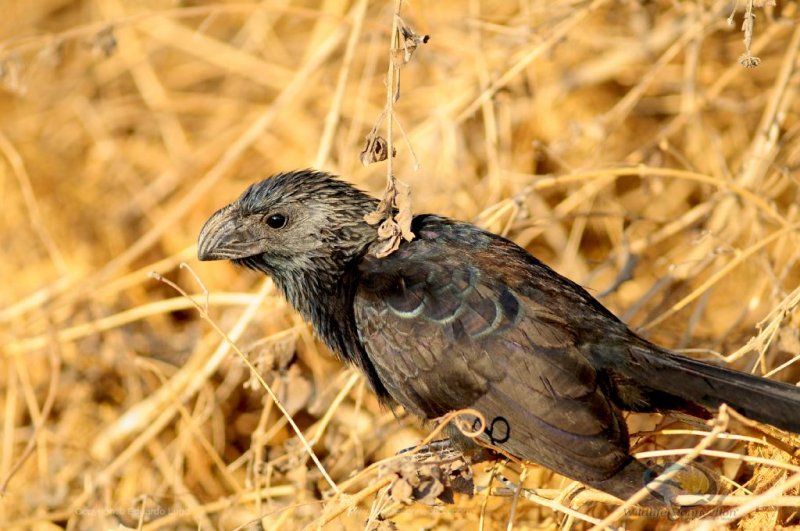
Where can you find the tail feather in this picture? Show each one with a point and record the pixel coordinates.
(663, 373)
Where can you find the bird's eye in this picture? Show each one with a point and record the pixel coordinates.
(276, 221)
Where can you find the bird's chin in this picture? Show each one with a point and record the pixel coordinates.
(255, 262)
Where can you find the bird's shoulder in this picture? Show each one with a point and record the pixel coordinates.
(447, 252)
(442, 242)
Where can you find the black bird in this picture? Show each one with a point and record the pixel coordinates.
(462, 318)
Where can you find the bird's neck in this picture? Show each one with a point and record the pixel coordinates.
(326, 300)
(323, 294)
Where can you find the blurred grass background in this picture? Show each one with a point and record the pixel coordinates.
(622, 142)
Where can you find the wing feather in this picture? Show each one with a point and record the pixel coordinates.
(449, 327)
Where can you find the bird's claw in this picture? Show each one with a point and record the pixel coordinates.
(442, 449)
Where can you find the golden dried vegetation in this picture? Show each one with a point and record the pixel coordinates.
(622, 142)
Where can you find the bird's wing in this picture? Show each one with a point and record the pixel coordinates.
(449, 326)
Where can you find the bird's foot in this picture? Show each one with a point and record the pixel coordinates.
(441, 449)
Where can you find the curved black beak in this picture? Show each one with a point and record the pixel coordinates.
(218, 237)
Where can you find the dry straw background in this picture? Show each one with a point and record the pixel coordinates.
(622, 142)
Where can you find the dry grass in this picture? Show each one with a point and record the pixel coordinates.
(621, 142)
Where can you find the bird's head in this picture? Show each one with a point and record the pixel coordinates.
(292, 225)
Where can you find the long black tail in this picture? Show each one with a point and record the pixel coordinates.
(651, 378)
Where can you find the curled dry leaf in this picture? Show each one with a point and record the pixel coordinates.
(388, 230)
(380, 213)
(388, 233)
(430, 480)
(404, 212)
(402, 491)
(424, 480)
(397, 227)
(376, 150)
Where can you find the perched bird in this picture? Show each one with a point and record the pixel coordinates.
(462, 318)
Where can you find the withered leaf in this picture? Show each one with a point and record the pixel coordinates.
(401, 491)
(376, 150)
(404, 212)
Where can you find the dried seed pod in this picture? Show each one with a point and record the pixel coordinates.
(409, 43)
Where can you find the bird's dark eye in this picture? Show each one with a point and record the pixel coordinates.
(276, 221)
